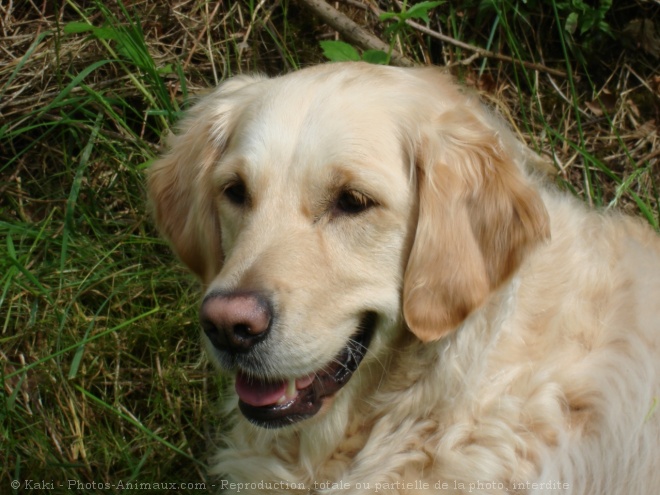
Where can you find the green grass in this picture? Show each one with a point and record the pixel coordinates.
(102, 373)
(103, 379)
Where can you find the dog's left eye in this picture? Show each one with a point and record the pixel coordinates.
(236, 192)
(351, 202)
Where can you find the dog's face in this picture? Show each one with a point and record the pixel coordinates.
(321, 208)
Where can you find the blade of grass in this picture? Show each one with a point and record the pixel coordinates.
(116, 328)
(593, 196)
(75, 191)
(77, 357)
(75, 82)
(23, 61)
(130, 41)
(41, 290)
(138, 425)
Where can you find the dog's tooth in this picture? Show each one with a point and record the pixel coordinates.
(291, 388)
(290, 392)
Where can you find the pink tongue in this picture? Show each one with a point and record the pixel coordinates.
(258, 393)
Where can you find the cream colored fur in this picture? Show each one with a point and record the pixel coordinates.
(518, 344)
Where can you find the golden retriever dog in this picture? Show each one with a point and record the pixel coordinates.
(402, 306)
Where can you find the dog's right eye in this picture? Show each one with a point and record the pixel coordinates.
(352, 203)
(236, 193)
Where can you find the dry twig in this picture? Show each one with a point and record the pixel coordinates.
(352, 31)
(482, 52)
(365, 40)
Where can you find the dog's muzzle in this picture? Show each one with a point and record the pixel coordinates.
(237, 322)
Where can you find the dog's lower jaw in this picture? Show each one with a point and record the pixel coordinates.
(307, 401)
(250, 450)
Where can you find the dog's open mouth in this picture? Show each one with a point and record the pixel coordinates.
(277, 403)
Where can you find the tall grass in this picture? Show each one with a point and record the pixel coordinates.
(102, 376)
(568, 114)
(100, 363)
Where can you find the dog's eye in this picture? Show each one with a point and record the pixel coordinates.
(352, 202)
(236, 193)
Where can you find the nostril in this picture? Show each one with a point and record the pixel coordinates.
(217, 336)
(241, 337)
(244, 330)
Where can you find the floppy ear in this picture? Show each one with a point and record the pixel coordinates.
(478, 218)
(179, 184)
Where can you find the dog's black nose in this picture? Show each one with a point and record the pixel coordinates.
(236, 321)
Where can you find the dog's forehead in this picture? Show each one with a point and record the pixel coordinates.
(307, 126)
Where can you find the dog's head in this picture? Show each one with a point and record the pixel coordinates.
(325, 208)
